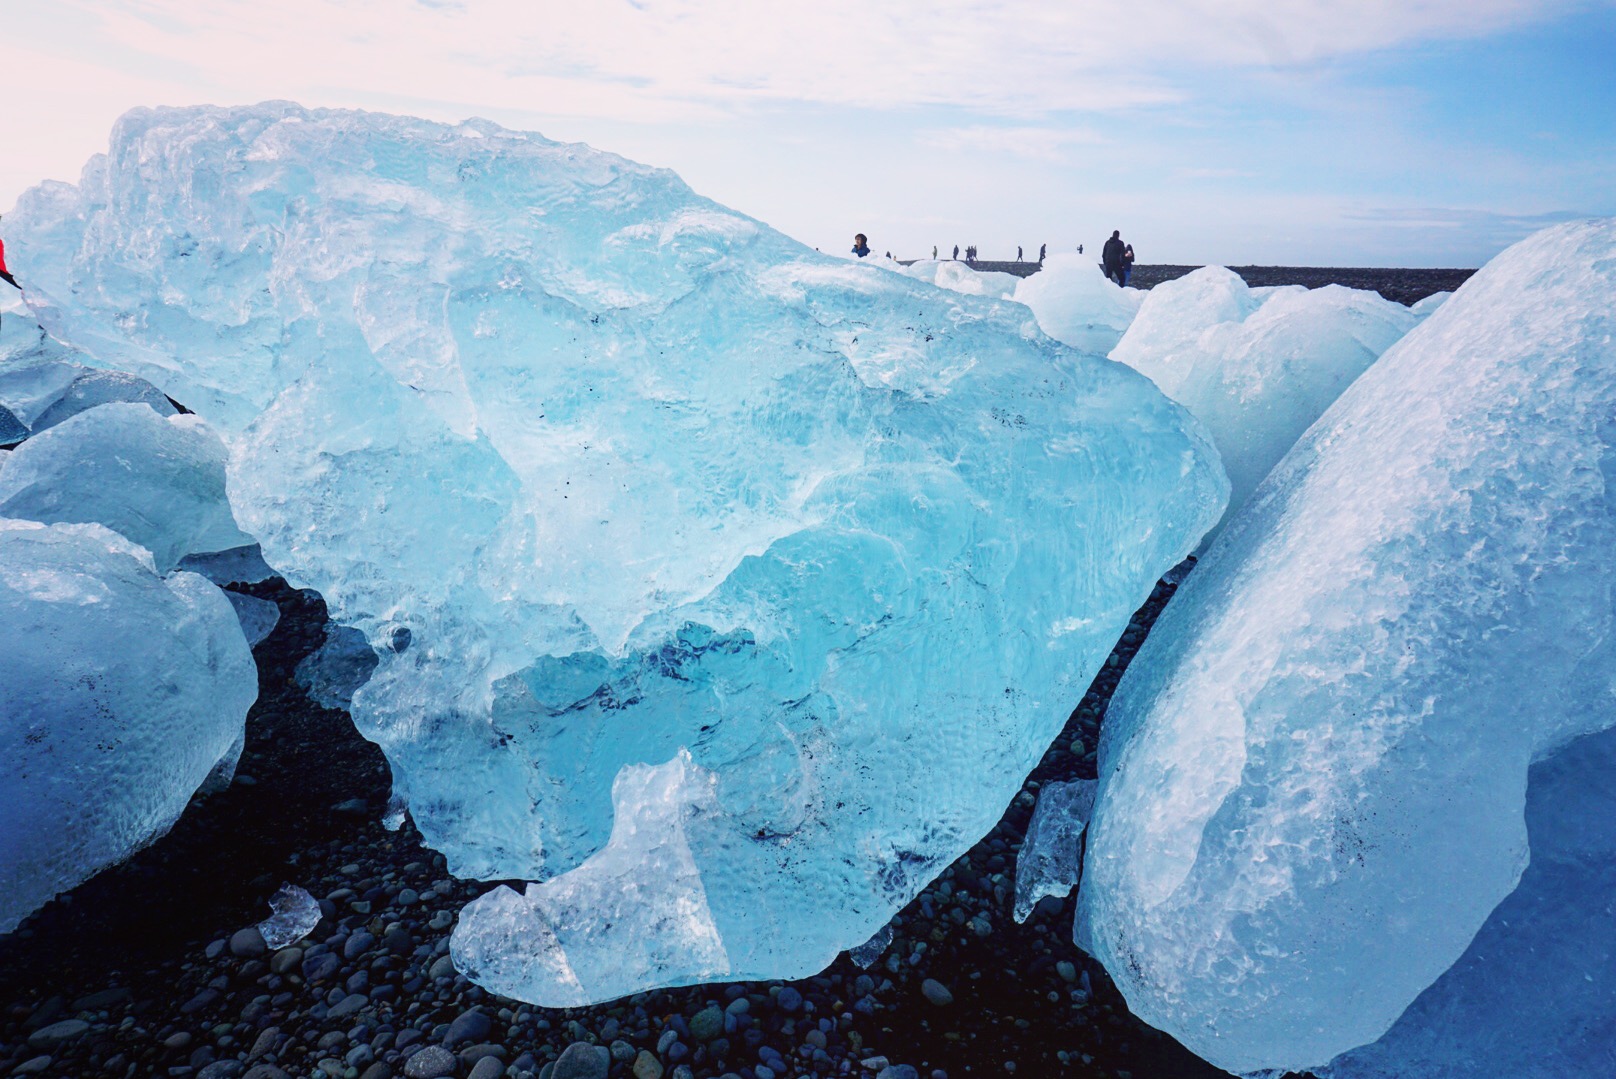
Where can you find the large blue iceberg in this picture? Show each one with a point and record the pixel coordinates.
(1315, 774)
(735, 582)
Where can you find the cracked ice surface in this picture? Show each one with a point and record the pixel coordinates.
(120, 693)
(699, 566)
(1314, 774)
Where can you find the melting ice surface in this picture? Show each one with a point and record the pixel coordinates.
(1257, 366)
(1315, 774)
(1076, 303)
(120, 692)
(726, 588)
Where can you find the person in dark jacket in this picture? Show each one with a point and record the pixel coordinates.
(1111, 257)
(956, 252)
(861, 244)
(1043, 250)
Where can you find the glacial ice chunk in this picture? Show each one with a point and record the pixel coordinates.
(296, 913)
(120, 691)
(335, 670)
(258, 617)
(1425, 308)
(156, 480)
(1313, 774)
(870, 952)
(612, 479)
(95, 388)
(1534, 996)
(1075, 303)
(1051, 858)
(1257, 370)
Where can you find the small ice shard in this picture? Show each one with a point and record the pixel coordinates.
(337, 668)
(296, 913)
(258, 616)
(12, 430)
(156, 480)
(94, 388)
(1051, 858)
(870, 952)
(1257, 369)
(121, 691)
(1076, 304)
(1316, 773)
(238, 565)
(397, 810)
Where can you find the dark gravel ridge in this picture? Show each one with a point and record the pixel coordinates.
(1404, 286)
(146, 970)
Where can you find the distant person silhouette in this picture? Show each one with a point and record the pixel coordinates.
(1018, 252)
(956, 252)
(1043, 249)
(889, 254)
(1079, 249)
(934, 252)
(861, 244)
(1127, 265)
(1111, 257)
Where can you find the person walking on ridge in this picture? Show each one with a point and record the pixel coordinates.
(1018, 252)
(934, 252)
(956, 252)
(861, 244)
(1043, 249)
(1111, 257)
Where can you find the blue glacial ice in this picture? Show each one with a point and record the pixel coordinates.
(156, 480)
(701, 567)
(121, 693)
(1314, 775)
(1257, 366)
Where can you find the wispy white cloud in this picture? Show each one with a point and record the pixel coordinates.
(1030, 143)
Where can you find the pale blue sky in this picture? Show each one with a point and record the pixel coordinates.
(1359, 132)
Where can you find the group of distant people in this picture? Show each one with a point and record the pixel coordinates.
(1116, 259)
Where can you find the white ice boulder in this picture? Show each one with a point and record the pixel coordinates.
(613, 479)
(1314, 773)
(960, 277)
(156, 480)
(1257, 369)
(1076, 304)
(121, 691)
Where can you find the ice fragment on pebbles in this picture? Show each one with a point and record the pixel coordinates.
(1314, 772)
(867, 954)
(641, 477)
(1050, 861)
(296, 913)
